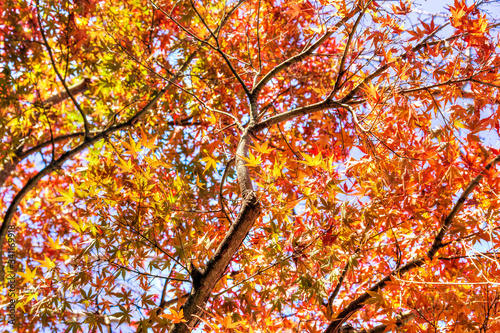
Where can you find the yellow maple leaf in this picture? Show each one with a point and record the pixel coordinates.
(147, 143)
(263, 149)
(312, 161)
(56, 245)
(251, 160)
(79, 227)
(68, 197)
(228, 323)
(31, 295)
(28, 276)
(49, 264)
(125, 165)
(132, 146)
(174, 316)
(199, 183)
(211, 162)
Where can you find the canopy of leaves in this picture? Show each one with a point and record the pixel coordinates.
(249, 166)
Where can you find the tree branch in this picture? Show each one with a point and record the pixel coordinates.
(59, 76)
(402, 319)
(217, 265)
(206, 41)
(19, 156)
(301, 56)
(437, 244)
(408, 91)
(339, 283)
(260, 271)
(346, 51)
(384, 67)
(326, 104)
(221, 196)
(75, 89)
(166, 278)
(486, 83)
(358, 303)
(57, 164)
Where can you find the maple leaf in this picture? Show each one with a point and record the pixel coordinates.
(132, 146)
(227, 322)
(47, 263)
(317, 30)
(148, 143)
(373, 92)
(79, 227)
(312, 161)
(341, 8)
(28, 276)
(211, 163)
(262, 148)
(199, 183)
(174, 316)
(251, 160)
(54, 244)
(126, 165)
(294, 11)
(67, 197)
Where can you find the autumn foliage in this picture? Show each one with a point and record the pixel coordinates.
(249, 166)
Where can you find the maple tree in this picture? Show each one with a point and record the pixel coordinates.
(250, 166)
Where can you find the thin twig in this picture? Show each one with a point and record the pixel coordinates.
(221, 196)
(147, 274)
(260, 271)
(51, 136)
(341, 71)
(46, 43)
(258, 47)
